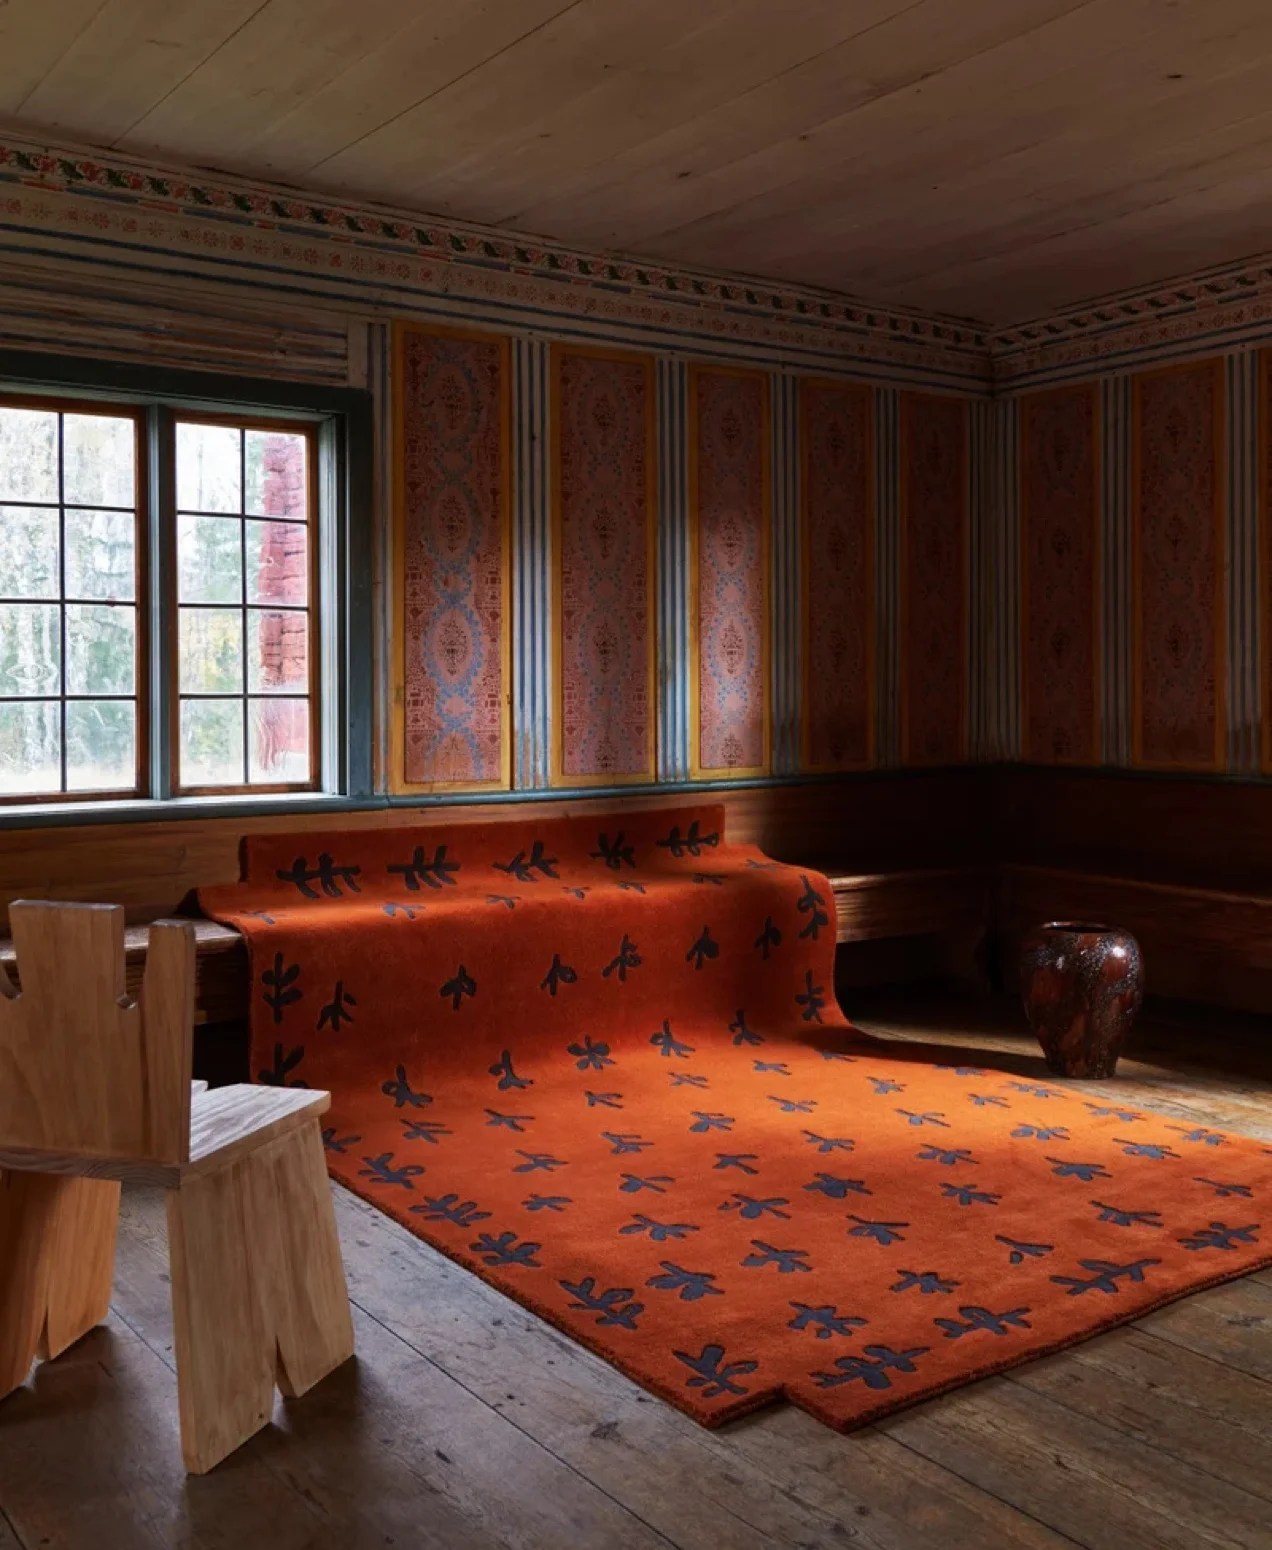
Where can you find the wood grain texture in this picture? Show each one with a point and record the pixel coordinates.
(1182, 862)
(57, 1250)
(220, 967)
(997, 159)
(296, 1258)
(224, 1356)
(468, 1424)
(258, 1290)
(130, 1096)
(916, 819)
(226, 1124)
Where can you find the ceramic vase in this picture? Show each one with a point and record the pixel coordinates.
(1082, 986)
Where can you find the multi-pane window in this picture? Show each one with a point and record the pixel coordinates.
(157, 652)
(245, 705)
(71, 718)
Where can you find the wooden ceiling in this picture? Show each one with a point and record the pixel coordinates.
(995, 159)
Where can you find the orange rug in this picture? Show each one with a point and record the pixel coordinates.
(600, 1064)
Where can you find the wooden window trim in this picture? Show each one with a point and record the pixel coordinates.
(142, 665)
(312, 611)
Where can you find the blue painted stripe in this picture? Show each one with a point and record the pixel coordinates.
(673, 568)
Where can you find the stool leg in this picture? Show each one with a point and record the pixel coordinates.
(82, 1264)
(293, 1234)
(224, 1353)
(57, 1255)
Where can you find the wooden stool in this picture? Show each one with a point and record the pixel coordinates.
(95, 1089)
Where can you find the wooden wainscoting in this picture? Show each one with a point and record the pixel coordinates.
(921, 864)
(1185, 864)
(855, 824)
(901, 849)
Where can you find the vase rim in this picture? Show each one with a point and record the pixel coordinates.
(1081, 928)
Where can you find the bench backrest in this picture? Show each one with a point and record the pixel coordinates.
(84, 1071)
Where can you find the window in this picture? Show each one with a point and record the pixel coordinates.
(247, 714)
(70, 580)
(176, 580)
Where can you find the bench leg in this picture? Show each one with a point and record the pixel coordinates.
(258, 1291)
(57, 1258)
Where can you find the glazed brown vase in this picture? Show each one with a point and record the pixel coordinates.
(1082, 986)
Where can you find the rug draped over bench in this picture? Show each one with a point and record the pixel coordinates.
(602, 1066)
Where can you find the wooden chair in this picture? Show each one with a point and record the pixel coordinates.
(95, 1089)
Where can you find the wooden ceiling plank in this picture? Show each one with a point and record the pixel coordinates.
(441, 46)
(1161, 129)
(1192, 162)
(419, 151)
(127, 60)
(957, 113)
(289, 50)
(1174, 236)
(642, 96)
(768, 137)
(33, 37)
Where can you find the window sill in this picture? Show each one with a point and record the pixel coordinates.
(40, 815)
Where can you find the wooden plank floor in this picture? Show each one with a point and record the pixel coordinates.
(466, 1423)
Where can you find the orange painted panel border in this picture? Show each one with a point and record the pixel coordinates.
(837, 519)
(596, 511)
(1178, 555)
(934, 577)
(471, 609)
(729, 493)
(1263, 515)
(1059, 575)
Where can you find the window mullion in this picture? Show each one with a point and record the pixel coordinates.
(162, 673)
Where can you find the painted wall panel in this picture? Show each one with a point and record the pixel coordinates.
(836, 435)
(1059, 508)
(730, 494)
(934, 565)
(605, 510)
(453, 487)
(1178, 717)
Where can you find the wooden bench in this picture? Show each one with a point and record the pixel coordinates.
(868, 907)
(220, 968)
(1200, 943)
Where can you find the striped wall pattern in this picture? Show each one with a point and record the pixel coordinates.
(532, 566)
(982, 609)
(1116, 602)
(532, 658)
(1245, 579)
(887, 577)
(1245, 711)
(379, 373)
(672, 612)
(999, 688)
(785, 587)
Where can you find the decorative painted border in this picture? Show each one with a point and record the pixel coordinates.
(1182, 296)
(697, 771)
(398, 784)
(1218, 623)
(805, 451)
(1091, 394)
(650, 772)
(1190, 317)
(109, 176)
